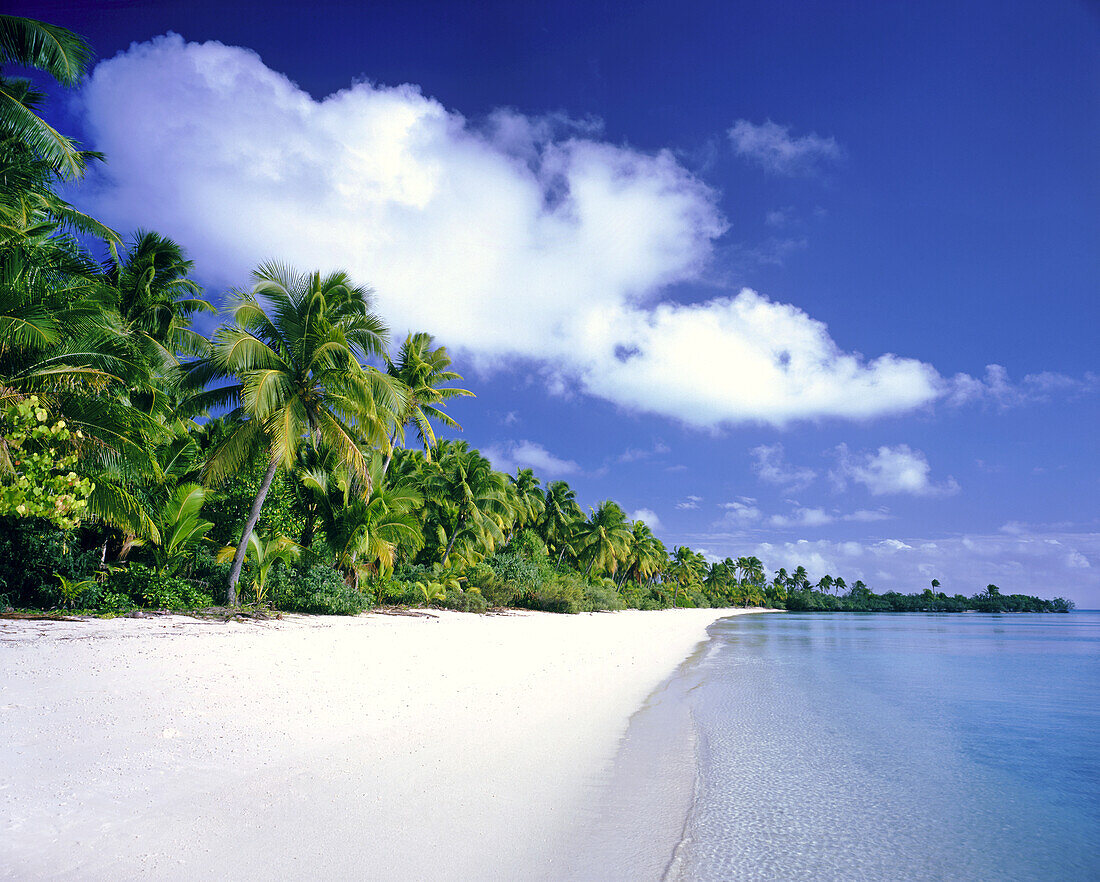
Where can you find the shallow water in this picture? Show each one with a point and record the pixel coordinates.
(848, 746)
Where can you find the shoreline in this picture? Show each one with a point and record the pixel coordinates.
(308, 746)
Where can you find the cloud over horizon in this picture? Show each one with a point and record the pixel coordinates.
(517, 238)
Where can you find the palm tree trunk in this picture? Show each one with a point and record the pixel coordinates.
(451, 542)
(249, 526)
(389, 456)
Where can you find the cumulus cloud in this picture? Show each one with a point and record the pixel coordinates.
(528, 455)
(648, 517)
(771, 147)
(890, 470)
(691, 502)
(771, 466)
(518, 240)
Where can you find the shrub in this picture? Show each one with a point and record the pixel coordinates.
(33, 554)
(315, 588)
(146, 588)
(465, 601)
(561, 593)
(602, 597)
(397, 592)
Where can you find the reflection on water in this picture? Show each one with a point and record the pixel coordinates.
(847, 746)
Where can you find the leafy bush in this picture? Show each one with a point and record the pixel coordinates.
(561, 593)
(145, 587)
(317, 589)
(465, 601)
(602, 596)
(33, 555)
(398, 592)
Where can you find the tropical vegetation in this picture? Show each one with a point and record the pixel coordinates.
(147, 462)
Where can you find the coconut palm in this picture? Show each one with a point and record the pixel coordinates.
(529, 502)
(604, 538)
(293, 355)
(468, 503)
(263, 554)
(65, 57)
(422, 370)
(646, 555)
(560, 516)
(180, 528)
(364, 530)
(156, 299)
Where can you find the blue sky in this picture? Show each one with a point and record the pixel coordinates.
(575, 196)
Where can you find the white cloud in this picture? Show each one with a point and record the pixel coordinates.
(771, 466)
(517, 239)
(770, 146)
(998, 390)
(528, 455)
(818, 517)
(802, 517)
(890, 470)
(739, 514)
(648, 516)
(692, 502)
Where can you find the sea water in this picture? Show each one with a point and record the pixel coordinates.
(896, 747)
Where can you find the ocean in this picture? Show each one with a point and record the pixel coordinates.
(888, 747)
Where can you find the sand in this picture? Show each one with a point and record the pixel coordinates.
(379, 747)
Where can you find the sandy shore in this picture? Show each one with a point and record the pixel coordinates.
(378, 747)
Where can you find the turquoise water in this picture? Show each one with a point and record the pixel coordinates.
(847, 746)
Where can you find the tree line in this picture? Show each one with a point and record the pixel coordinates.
(288, 459)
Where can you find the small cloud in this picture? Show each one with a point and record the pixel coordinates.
(771, 466)
(648, 517)
(771, 147)
(802, 517)
(890, 470)
(997, 389)
(1077, 561)
(528, 455)
(510, 418)
(891, 546)
(863, 516)
(676, 468)
(633, 454)
(780, 217)
(691, 502)
(739, 514)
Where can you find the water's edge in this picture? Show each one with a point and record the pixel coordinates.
(635, 823)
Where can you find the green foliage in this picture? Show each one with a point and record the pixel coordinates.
(147, 588)
(316, 589)
(37, 459)
(34, 554)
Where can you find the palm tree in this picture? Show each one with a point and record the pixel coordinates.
(422, 370)
(604, 538)
(364, 530)
(264, 554)
(156, 299)
(529, 501)
(179, 527)
(468, 502)
(293, 350)
(560, 515)
(687, 568)
(65, 57)
(645, 556)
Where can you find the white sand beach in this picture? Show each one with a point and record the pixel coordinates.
(379, 747)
